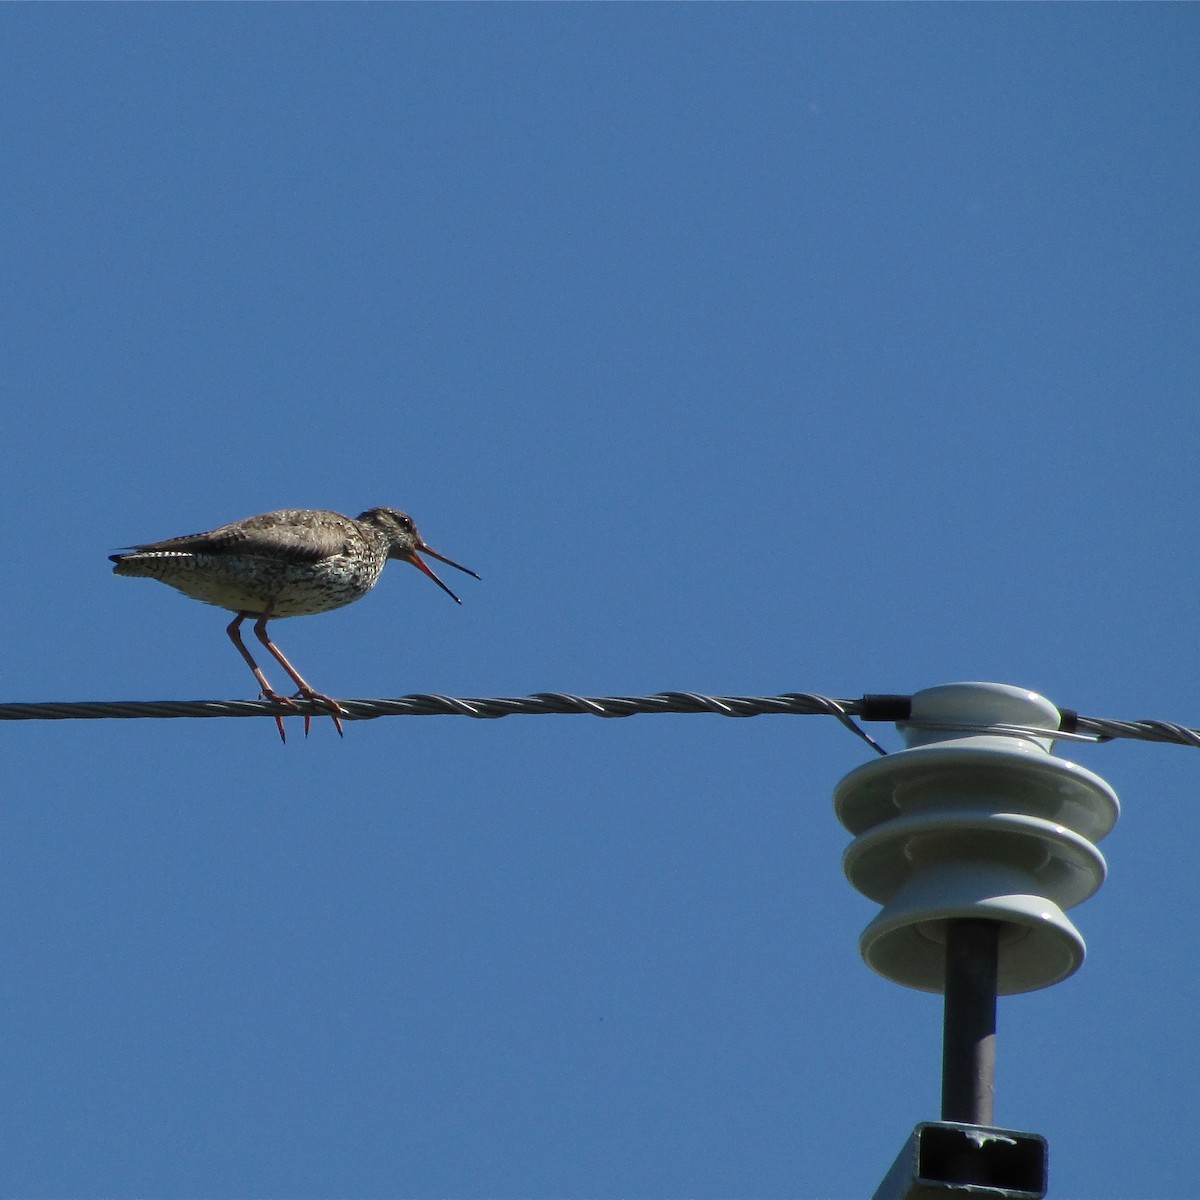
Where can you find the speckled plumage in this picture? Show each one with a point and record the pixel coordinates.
(298, 561)
(290, 563)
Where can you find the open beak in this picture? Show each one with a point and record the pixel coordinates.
(421, 565)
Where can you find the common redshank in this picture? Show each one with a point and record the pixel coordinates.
(285, 564)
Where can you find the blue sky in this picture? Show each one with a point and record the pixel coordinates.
(740, 349)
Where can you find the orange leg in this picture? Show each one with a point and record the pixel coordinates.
(306, 690)
(268, 692)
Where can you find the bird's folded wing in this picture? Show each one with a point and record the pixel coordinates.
(259, 538)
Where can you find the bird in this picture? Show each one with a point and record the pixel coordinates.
(291, 563)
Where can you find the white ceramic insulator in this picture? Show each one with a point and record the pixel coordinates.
(972, 822)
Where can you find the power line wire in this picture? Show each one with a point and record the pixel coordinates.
(867, 708)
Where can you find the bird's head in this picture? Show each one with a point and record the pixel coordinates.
(404, 541)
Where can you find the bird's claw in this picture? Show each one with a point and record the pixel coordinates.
(336, 711)
(283, 702)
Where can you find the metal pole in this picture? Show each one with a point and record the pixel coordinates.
(969, 1035)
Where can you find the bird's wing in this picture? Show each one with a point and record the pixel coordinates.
(293, 536)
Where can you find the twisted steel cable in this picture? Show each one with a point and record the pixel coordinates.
(867, 708)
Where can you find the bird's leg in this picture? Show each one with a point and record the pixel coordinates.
(336, 711)
(268, 692)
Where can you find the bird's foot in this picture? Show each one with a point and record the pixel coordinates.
(336, 711)
(283, 702)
